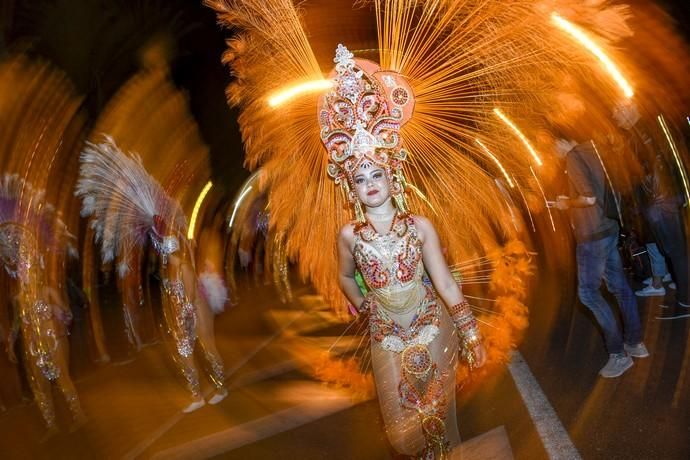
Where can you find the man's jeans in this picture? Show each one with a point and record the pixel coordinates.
(670, 238)
(597, 260)
(657, 260)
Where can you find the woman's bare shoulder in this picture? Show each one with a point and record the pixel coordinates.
(423, 225)
(421, 222)
(347, 232)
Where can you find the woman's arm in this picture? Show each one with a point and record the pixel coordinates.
(435, 263)
(346, 268)
(56, 301)
(450, 293)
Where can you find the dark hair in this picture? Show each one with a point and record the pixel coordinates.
(562, 131)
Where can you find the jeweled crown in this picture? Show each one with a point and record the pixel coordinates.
(361, 116)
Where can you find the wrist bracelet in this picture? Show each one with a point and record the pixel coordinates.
(460, 309)
(461, 313)
(364, 306)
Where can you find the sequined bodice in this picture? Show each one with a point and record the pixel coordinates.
(391, 264)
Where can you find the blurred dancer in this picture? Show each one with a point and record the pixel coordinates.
(41, 321)
(114, 184)
(596, 234)
(189, 319)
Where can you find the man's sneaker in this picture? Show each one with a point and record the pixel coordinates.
(636, 351)
(667, 278)
(677, 311)
(651, 291)
(616, 365)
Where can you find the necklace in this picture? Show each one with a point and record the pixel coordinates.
(382, 215)
(381, 218)
(390, 228)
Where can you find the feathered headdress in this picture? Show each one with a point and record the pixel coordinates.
(126, 204)
(456, 65)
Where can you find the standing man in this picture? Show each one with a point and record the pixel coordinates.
(661, 202)
(598, 257)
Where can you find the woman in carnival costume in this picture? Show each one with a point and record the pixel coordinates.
(447, 72)
(414, 338)
(129, 208)
(40, 318)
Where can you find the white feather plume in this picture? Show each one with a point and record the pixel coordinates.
(122, 198)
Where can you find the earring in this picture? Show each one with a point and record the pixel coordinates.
(401, 203)
(352, 198)
(359, 212)
(399, 198)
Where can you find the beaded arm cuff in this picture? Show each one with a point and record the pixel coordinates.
(463, 319)
(365, 305)
(468, 331)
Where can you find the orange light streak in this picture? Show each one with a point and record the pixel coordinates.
(676, 156)
(498, 163)
(548, 209)
(519, 134)
(285, 95)
(237, 205)
(524, 199)
(195, 212)
(579, 35)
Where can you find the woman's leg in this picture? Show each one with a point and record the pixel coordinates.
(403, 422)
(42, 391)
(66, 386)
(184, 338)
(215, 362)
(207, 341)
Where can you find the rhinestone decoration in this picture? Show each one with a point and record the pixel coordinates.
(416, 360)
(389, 81)
(400, 96)
(184, 329)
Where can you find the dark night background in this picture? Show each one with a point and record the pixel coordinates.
(96, 43)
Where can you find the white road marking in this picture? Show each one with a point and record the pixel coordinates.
(554, 436)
